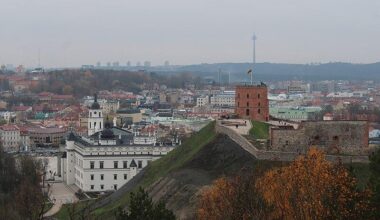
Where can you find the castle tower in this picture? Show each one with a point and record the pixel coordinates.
(95, 118)
(251, 102)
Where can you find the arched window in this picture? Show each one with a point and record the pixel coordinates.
(258, 111)
(259, 104)
(258, 95)
(247, 112)
(247, 96)
(247, 104)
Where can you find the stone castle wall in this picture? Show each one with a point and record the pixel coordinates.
(280, 155)
(350, 137)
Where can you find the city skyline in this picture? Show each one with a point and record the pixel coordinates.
(73, 33)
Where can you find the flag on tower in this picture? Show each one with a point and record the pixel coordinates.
(249, 71)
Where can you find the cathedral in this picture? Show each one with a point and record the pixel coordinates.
(108, 157)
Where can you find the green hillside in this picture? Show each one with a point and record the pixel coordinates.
(159, 168)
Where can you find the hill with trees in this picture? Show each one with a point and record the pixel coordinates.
(210, 175)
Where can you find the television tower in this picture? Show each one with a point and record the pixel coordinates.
(254, 38)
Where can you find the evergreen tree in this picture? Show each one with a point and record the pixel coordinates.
(142, 208)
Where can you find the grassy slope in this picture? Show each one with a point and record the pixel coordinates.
(259, 130)
(161, 167)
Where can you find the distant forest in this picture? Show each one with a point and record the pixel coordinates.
(86, 82)
(279, 72)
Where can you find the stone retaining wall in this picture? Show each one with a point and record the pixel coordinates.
(279, 155)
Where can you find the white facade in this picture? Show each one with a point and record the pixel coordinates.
(109, 157)
(95, 121)
(202, 101)
(223, 100)
(106, 167)
(10, 137)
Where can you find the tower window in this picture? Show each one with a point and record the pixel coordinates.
(258, 111)
(258, 95)
(94, 124)
(247, 96)
(247, 112)
(247, 104)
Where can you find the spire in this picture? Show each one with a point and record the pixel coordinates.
(95, 105)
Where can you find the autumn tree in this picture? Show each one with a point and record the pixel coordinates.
(313, 188)
(374, 182)
(234, 198)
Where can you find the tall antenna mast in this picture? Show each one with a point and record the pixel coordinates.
(39, 57)
(254, 38)
(219, 77)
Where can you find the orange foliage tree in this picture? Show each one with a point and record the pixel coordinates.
(234, 198)
(313, 188)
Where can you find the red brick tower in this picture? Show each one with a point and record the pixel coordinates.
(251, 102)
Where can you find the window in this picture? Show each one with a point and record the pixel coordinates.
(100, 124)
(139, 164)
(258, 95)
(94, 124)
(92, 164)
(115, 176)
(125, 164)
(115, 186)
(247, 96)
(247, 112)
(101, 186)
(247, 104)
(92, 176)
(258, 111)
(101, 176)
(238, 104)
(259, 104)
(115, 164)
(125, 176)
(92, 186)
(101, 164)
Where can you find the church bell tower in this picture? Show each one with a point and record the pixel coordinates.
(95, 117)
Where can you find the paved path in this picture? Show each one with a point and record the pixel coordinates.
(243, 128)
(60, 194)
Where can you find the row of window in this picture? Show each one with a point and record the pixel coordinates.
(102, 187)
(258, 104)
(92, 176)
(258, 95)
(247, 111)
(115, 164)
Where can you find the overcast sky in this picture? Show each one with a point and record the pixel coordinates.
(76, 32)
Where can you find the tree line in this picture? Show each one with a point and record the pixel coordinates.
(80, 83)
(308, 188)
(21, 193)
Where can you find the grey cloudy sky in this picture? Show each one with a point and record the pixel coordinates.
(75, 32)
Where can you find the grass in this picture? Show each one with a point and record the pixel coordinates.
(259, 130)
(361, 172)
(161, 167)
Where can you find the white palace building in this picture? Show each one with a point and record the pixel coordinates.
(109, 156)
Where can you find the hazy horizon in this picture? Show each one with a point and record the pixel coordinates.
(75, 32)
